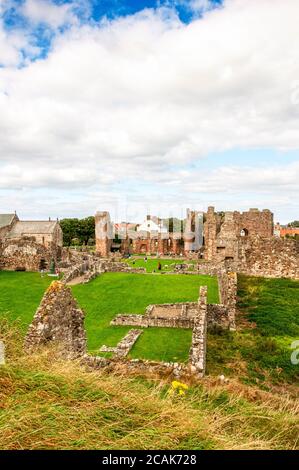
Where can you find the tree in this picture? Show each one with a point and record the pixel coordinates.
(69, 229)
(86, 229)
(294, 224)
(79, 229)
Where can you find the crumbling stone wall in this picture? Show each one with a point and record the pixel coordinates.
(228, 286)
(255, 223)
(152, 243)
(58, 318)
(25, 254)
(181, 315)
(90, 266)
(146, 321)
(222, 232)
(270, 257)
(103, 233)
(197, 356)
(125, 345)
(139, 367)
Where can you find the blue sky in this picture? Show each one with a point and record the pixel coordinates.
(146, 106)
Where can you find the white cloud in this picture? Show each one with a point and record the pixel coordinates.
(135, 98)
(47, 12)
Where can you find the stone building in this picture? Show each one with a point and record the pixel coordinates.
(285, 231)
(103, 233)
(193, 233)
(223, 231)
(28, 245)
(244, 240)
(151, 237)
(7, 221)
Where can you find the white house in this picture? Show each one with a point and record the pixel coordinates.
(152, 224)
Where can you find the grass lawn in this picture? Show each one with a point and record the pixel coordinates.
(151, 265)
(114, 293)
(105, 297)
(260, 351)
(20, 295)
(162, 344)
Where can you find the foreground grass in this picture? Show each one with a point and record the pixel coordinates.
(268, 323)
(114, 293)
(50, 404)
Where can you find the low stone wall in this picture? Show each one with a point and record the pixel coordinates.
(146, 321)
(139, 367)
(180, 315)
(125, 345)
(58, 319)
(197, 356)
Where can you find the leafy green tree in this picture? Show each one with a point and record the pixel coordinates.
(294, 224)
(80, 230)
(86, 229)
(69, 229)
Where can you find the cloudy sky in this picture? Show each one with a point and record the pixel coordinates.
(148, 106)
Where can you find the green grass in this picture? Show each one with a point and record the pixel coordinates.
(159, 344)
(47, 403)
(273, 304)
(260, 350)
(105, 297)
(151, 265)
(114, 293)
(20, 295)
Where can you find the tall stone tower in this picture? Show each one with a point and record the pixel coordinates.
(104, 233)
(193, 233)
(210, 234)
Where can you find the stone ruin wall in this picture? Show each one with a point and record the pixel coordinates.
(125, 344)
(257, 223)
(89, 267)
(103, 233)
(182, 315)
(228, 286)
(58, 319)
(257, 252)
(272, 257)
(197, 355)
(222, 232)
(217, 316)
(160, 244)
(25, 254)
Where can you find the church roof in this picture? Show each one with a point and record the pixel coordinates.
(6, 219)
(31, 228)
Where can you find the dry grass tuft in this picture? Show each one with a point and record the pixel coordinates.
(47, 403)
